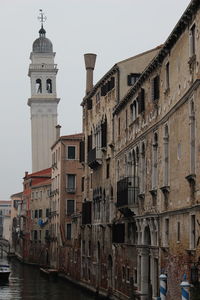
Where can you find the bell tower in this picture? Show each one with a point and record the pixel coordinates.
(43, 102)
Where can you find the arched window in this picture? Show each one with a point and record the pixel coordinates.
(192, 137)
(38, 86)
(49, 86)
(142, 177)
(166, 156)
(154, 161)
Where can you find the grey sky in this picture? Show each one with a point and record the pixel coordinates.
(113, 29)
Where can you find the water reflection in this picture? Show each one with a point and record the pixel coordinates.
(26, 282)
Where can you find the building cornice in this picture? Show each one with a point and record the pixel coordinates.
(42, 100)
(163, 120)
(182, 24)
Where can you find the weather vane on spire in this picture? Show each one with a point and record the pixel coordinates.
(42, 18)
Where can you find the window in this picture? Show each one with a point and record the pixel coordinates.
(166, 233)
(155, 161)
(107, 170)
(40, 213)
(141, 101)
(123, 273)
(68, 231)
(128, 275)
(119, 127)
(178, 231)
(36, 213)
(167, 76)
(192, 45)
(71, 153)
(155, 88)
(97, 97)
(38, 86)
(71, 183)
(35, 235)
(193, 232)
(70, 207)
(166, 156)
(132, 78)
(82, 184)
(47, 212)
(49, 86)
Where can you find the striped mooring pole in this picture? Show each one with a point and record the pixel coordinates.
(185, 288)
(163, 286)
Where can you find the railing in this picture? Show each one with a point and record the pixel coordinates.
(71, 190)
(94, 157)
(42, 66)
(127, 191)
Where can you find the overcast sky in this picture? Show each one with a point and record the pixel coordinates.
(113, 29)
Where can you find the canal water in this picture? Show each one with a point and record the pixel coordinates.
(26, 282)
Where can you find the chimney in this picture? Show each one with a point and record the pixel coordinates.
(89, 65)
(57, 131)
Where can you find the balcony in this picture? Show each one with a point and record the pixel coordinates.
(71, 190)
(94, 158)
(127, 192)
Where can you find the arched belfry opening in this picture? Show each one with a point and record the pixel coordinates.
(38, 86)
(49, 86)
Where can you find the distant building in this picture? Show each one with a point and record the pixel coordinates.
(5, 210)
(43, 102)
(16, 201)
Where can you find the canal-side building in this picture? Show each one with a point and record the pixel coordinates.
(16, 200)
(97, 251)
(39, 229)
(5, 209)
(66, 204)
(34, 200)
(157, 170)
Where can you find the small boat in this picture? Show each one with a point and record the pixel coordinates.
(4, 272)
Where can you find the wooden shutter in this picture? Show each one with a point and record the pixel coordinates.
(89, 142)
(82, 151)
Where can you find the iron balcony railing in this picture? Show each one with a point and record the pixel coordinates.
(127, 191)
(94, 158)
